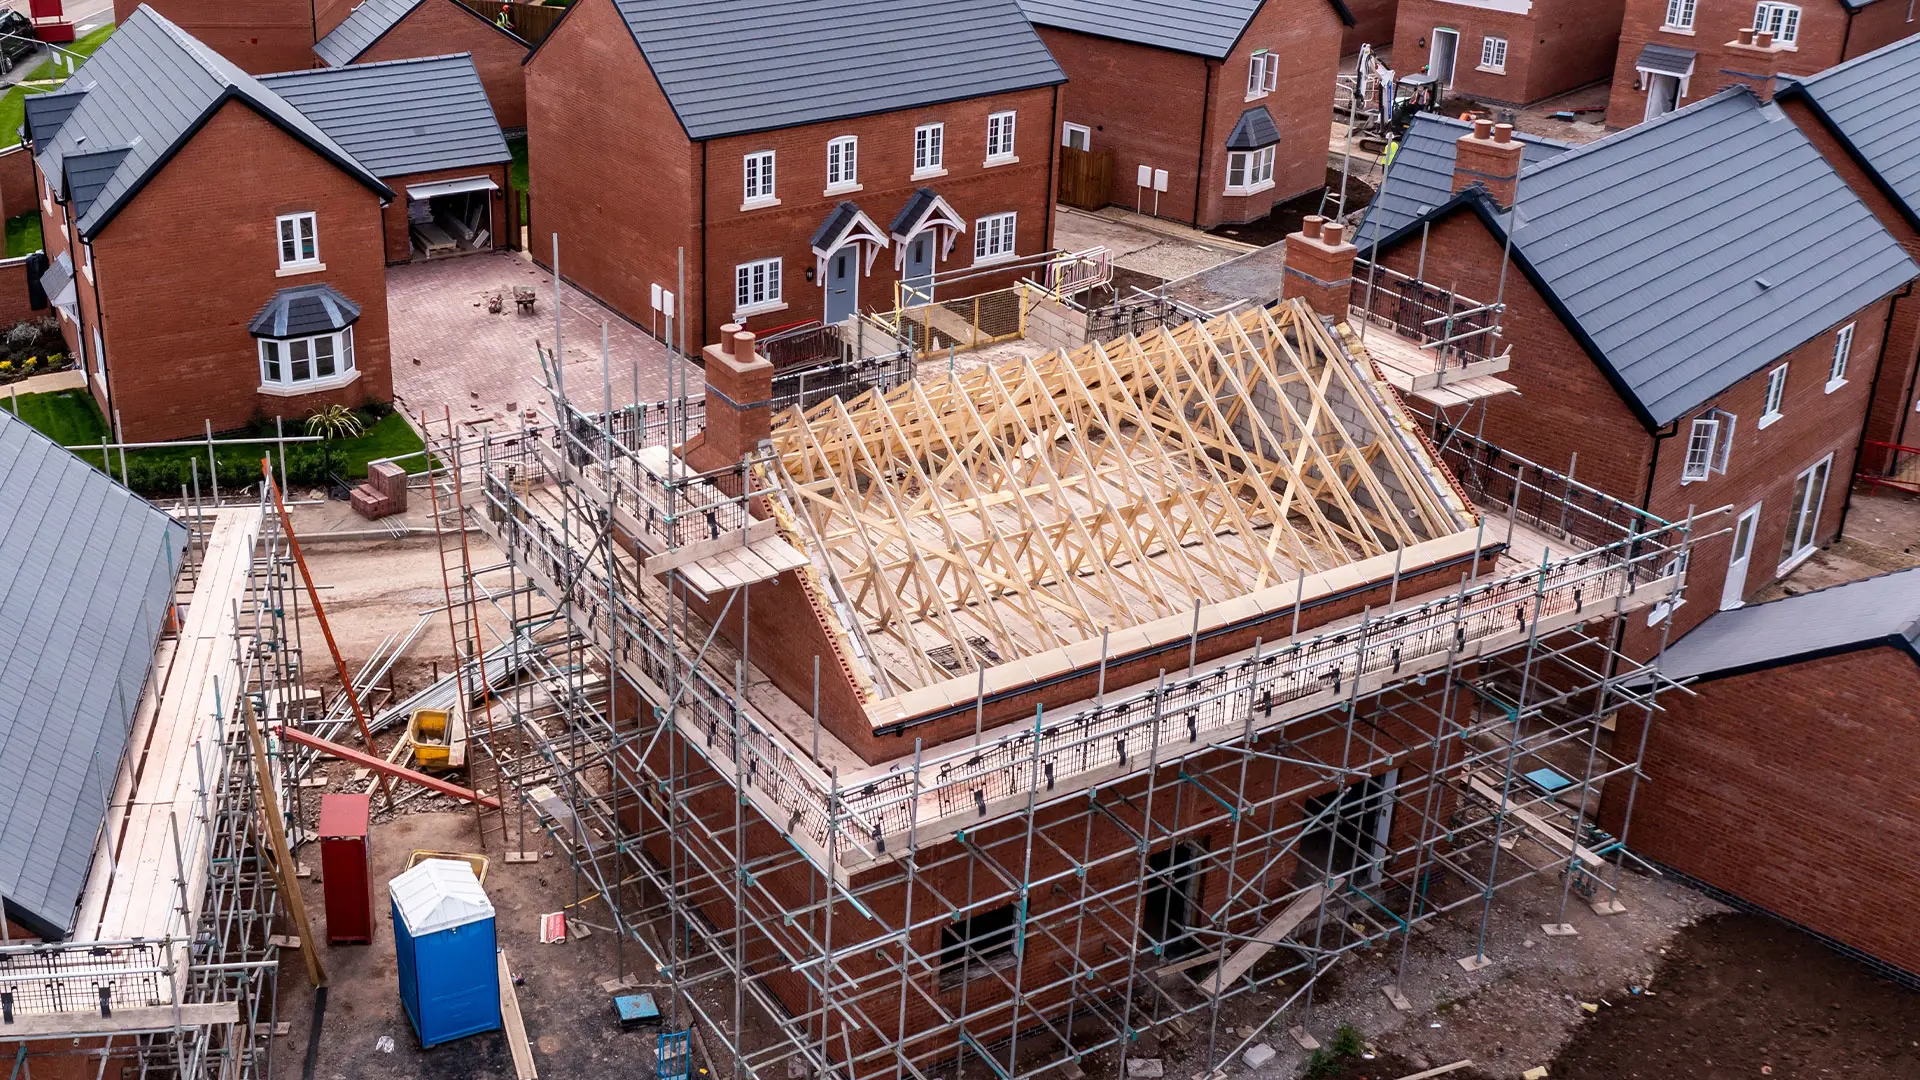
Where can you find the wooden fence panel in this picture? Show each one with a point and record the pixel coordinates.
(1086, 177)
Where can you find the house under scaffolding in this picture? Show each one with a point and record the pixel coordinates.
(990, 721)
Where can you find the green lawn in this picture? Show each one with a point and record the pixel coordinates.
(23, 234)
(70, 417)
(518, 170)
(13, 110)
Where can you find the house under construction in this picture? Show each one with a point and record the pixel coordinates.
(995, 718)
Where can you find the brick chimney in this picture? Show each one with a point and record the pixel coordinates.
(1490, 157)
(1320, 267)
(739, 402)
(1753, 60)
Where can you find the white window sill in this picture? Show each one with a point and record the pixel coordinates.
(86, 271)
(298, 269)
(758, 204)
(928, 174)
(995, 260)
(759, 309)
(311, 386)
(841, 189)
(1685, 480)
(1662, 610)
(1259, 96)
(1254, 190)
(1835, 384)
(1004, 159)
(1490, 69)
(1684, 31)
(1768, 420)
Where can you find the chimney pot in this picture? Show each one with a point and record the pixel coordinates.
(1331, 232)
(1502, 133)
(1746, 35)
(726, 337)
(1482, 128)
(1764, 39)
(743, 345)
(1311, 225)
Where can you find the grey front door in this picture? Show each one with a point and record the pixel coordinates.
(919, 270)
(843, 284)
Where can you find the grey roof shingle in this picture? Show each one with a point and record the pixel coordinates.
(1421, 176)
(46, 112)
(89, 571)
(1692, 251)
(1665, 59)
(371, 20)
(304, 310)
(1870, 99)
(1884, 609)
(89, 174)
(402, 116)
(148, 89)
(1202, 27)
(732, 67)
(1253, 130)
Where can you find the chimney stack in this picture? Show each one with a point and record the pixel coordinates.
(1754, 59)
(1320, 267)
(739, 402)
(1489, 156)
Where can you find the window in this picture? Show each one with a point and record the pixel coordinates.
(1680, 14)
(756, 286)
(299, 242)
(843, 162)
(1263, 74)
(1781, 20)
(1700, 442)
(1249, 171)
(976, 946)
(307, 362)
(1776, 394)
(1675, 600)
(1493, 53)
(928, 147)
(1842, 349)
(1078, 136)
(759, 178)
(1803, 514)
(993, 237)
(1000, 137)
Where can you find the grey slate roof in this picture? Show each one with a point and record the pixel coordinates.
(1870, 100)
(1202, 27)
(918, 204)
(1690, 252)
(147, 90)
(58, 275)
(1664, 59)
(303, 310)
(730, 67)
(371, 20)
(838, 220)
(402, 116)
(89, 174)
(1253, 130)
(1421, 176)
(46, 112)
(89, 571)
(1884, 609)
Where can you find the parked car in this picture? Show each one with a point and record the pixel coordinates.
(16, 39)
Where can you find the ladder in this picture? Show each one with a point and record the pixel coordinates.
(1247, 955)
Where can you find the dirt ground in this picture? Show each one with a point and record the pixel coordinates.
(1882, 535)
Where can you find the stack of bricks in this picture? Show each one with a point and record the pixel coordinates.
(384, 494)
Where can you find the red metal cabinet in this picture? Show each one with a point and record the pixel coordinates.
(346, 868)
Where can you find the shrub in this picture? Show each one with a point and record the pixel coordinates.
(23, 335)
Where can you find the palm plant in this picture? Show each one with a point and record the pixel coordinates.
(332, 423)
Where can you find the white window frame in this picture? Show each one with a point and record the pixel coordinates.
(1679, 15)
(1000, 145)
(1776, 396)
(758, 176)
(1263, 73)
(996, 238)
(929, 150)
(277, 363)
(1254, 169)
(1701, 441)
(1068, 129)
(1492, 59)
(843, 164)
(1842, 352)
(1782, 19)
(1803, 516)
(757, 287)
(1678, 598)
(287, 236)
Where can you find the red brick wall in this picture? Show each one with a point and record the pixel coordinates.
(178, 349)
(1305, 34)
(1144, 106)
(399, 243)
(329, 14)
(1555, 46)
(617, 178)
(1373, 22)
(1879, 24)
(1793, 788)
(258, 35)
(19, 182)
(885, 159)
(439, 27)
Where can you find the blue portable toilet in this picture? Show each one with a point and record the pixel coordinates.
(443, 935)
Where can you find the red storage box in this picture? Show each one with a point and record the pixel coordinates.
(346, 868)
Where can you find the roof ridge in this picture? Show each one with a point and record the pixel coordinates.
(1910, 41)
(350, 68)
(1655, 124)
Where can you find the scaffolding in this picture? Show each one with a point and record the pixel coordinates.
(172, 968)
(1011, 901)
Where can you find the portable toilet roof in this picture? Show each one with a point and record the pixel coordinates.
(439, 894)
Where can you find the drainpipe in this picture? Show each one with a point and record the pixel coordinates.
(1200, 166)
(1053, 170)
(100, 342)
(1845, 40)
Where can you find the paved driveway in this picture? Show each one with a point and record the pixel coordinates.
(449, 350)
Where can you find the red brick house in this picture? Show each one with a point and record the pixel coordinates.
(220, 255)
(1509, 52)
(1212, 114)
(1675, 52)
(1859, 114)
(1372, 24)
(796, 190)
(381, 30)
(1785, 780)
(1711, 346)
(257, 35)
